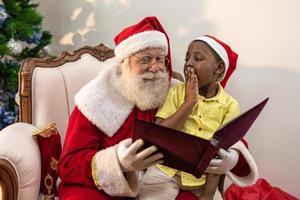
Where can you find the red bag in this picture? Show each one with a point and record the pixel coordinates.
(50, 149)
(260, 190)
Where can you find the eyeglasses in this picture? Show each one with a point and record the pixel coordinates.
(148, 61)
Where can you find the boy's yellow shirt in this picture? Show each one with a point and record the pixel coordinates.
(206, 117)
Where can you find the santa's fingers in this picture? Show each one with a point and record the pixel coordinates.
(213, 170)
(153, 163)
(153, 158)
(215, 162)
(146, 152)
(135, 146)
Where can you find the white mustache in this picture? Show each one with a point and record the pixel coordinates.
(158, 75)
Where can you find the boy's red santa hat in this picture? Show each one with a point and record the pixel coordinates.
(228, 56)
(148, 33)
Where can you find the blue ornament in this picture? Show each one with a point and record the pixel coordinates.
(2, 108)
(3, 15)
(35, 38)
(8, 117)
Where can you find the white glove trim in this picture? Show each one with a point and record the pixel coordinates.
(108, 175)
(252, 177)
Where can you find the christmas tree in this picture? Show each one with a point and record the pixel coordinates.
(21, 36)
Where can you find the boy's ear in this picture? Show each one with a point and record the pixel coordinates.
(220, 68)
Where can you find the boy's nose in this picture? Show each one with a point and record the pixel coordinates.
(189, 63)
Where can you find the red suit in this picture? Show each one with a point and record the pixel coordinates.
(89, 167)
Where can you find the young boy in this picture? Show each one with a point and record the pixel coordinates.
(198, 107)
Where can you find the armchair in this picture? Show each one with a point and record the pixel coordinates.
(46, 90)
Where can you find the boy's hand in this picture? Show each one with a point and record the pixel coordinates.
(191, 86)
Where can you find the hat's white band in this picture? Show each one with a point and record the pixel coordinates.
(140, 41)
(220, 50)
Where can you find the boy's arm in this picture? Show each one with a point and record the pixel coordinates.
(177, 120)
(211, 185)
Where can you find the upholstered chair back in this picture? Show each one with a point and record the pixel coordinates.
(48, 85)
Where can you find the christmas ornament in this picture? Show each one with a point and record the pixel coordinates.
(8, 117)
(35, 38)
(3, 15)
(15, 47)
(1, 108)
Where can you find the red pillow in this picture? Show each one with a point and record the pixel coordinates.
(50, 149)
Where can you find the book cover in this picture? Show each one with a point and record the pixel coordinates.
(189, 153)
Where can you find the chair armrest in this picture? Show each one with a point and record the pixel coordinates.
(21, 151)
(8, 180)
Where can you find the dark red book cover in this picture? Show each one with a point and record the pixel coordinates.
(189, 153)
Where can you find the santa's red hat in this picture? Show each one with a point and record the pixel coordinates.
(228, 56)
(148, 33)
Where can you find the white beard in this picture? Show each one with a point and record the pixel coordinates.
(145, 94)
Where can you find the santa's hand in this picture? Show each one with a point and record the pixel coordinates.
(133, 160)
(228, 159)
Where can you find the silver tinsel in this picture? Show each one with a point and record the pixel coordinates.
(15, 47)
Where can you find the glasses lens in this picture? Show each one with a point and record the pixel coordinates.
(145, 60)
(149, 60)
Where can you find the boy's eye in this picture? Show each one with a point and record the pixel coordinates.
(195, 58)
(198, 59)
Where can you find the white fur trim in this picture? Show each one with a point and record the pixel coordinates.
(218, 48)
(174, 82)
(108, 175)
(102, 103)
(253, 175)
(140, 41)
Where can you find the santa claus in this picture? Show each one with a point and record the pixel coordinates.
(99, 160)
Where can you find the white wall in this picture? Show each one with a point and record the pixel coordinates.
(264, 33)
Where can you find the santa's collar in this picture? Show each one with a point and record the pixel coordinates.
(101, 101)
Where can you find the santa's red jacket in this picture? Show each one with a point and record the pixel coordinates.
(89, 167)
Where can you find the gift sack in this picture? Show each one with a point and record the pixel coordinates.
(260, 190)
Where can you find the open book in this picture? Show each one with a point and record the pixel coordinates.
(189, 153)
